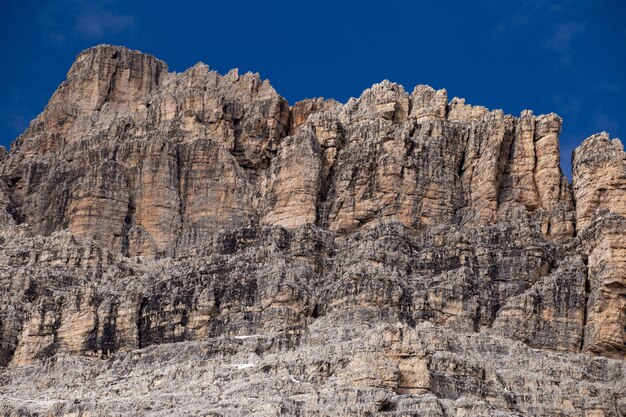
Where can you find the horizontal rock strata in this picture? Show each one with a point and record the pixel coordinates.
(189, 243)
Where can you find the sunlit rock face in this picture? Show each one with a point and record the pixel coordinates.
(189, 244)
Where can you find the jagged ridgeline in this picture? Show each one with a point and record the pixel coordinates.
(189, 244)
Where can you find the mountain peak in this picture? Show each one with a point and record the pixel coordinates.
(399, 254)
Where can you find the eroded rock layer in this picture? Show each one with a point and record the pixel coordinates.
(191, 244)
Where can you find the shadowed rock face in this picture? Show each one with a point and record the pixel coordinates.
(185, 243)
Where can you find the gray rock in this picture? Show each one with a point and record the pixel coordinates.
(188, 244)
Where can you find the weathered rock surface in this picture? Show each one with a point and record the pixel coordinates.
(188, 244)
(599, 171)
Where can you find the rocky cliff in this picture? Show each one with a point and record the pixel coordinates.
(189, 244)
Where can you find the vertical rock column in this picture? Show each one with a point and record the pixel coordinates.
(599, 178)
(486, 154)
(599, 182)
(5, 217)
(519, 191)
(532, 183)
(554, 191)
(605, 242)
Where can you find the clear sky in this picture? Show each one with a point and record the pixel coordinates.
(567, 57)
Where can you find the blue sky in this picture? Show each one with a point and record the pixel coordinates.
(567, 57)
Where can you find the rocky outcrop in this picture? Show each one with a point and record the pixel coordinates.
(599, 177)
(5, 217)
(303, 322)
(121, 115)
(188, 243)
(186, 154)
(605, 243)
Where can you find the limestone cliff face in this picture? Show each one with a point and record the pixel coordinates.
(599, 171)
(145, 161)
(193, 238)
(152, 163)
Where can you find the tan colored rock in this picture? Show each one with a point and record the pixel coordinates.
(155, 206)
(547, 170)
(414, 376)
(301, 111)
(328, 131)
(599, 178)
(519, 187)
(99, 206)
(294, 182)
(385, 100)
(486, 156)
(532, 183)
(188, 244)
(554, 191)
(5, 202)
(392, 168)
(368, 181)
(459, 111)
(605, 242)
(385, 156)
(120, 108)
(37, 337)
(214, 191)
(426, 102)
(370, 370)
